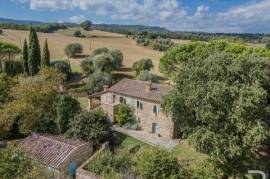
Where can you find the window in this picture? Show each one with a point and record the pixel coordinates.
(114, 98)
(122, 100)
(139, 105)
(156, 109)
(138, 119)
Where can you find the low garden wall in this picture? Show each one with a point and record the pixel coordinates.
(84, 174)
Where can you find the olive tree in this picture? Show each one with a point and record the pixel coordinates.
(71, 50)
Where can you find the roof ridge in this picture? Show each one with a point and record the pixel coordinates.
(141, 81)
(61, 142)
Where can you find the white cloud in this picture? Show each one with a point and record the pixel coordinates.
(77, 19)
(252, 17)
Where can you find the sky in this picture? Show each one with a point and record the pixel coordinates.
(229, 16)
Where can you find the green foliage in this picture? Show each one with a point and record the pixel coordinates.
(86, 25)
(111, 165)
(25, 57)
(117, 59)
(66, 109)
(100, 51)
(91, 126)
(77, 33)
(173, 59)
(6, 83)
(71, 50)
(1, 31)
(34, 57)
(45, 61)
(147, 76)
(205, 170)
(31, 106)
(8, 50)
(222, 102)
(87, 66)
(158, 163)
(267, 45)
(13, 68)
(123, 114)
(103, 62)
(62, 67)
(96, 81)
(142, 65)
(14, 164)
(45, 27)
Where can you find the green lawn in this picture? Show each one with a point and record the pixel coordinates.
(187, 155)
(83, 102)
(129, 142)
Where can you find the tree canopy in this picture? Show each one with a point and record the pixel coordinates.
(34, 54)
(73, 49)
(45, 60)
(86, 25)
(222, 103)
(91, 126)
(142, 65)
(171, 62)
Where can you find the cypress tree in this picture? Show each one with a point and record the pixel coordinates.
(45, 60)
(33, 53)
(25, 57)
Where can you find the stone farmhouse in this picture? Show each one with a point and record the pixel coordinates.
(143, 97)
(62, 156)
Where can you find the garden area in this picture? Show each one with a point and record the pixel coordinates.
(132, 158)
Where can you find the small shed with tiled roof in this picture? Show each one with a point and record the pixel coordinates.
(56, 151)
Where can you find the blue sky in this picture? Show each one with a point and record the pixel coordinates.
(185, 15)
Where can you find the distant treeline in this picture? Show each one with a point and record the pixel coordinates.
(46, 27)
(164, 33)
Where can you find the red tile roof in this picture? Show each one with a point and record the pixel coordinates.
(138, 89)
(51, 150)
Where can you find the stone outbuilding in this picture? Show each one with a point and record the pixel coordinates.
(61, 155)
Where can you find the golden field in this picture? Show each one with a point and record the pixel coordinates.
(57, 42)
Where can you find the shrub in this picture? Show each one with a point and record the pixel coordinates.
(71, 50)
(103, 62)
(12, 68)
(87, 66)
(66, 108)
(62, 67)
(117, 59)
(1, 31)
(147, 76)
(99, 51)
(142, 65)
(267, 45)
(108, 164)
(86, 25)
(96, 81)
(77, 33)
(157, 163)
(91, 126)
(123, 114)
(206, 169)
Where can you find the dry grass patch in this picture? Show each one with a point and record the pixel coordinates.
(57, 42)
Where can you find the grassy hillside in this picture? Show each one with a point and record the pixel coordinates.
(58, 41)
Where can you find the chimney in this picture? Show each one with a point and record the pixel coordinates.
(148, 85)
(105, 87)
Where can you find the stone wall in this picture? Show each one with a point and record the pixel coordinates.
(84, 174)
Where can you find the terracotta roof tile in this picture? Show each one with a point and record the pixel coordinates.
(49, 149)
(138, 89)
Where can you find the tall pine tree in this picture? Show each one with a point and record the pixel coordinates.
(25, 57)
(45, 60)
(33, 53)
